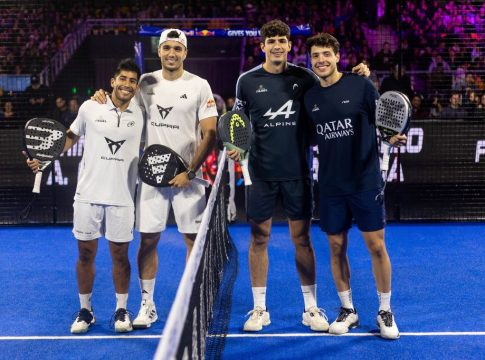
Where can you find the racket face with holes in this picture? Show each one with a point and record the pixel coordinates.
(234, 128)
(44, 139)
(159, 165)
(393, 114)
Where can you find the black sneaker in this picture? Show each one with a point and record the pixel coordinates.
(122, 321)
(84, 320)
(346, 319)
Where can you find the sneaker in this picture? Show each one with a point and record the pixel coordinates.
(84, 320)
(122, 321)
(257, 319)
(346, 319)
(146, 316)
(316, 319)
(387, 325)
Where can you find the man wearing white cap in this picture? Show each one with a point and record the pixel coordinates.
(180, 108)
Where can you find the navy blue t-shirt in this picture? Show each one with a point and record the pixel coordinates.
(343, 115)
(274, 103)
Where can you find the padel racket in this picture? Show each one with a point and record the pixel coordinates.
(234, 129)
(159, 165)
(393, 117)
(44, 140)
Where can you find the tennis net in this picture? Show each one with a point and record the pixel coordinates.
(197, 323)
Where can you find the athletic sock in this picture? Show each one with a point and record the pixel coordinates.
(309, 295)
(259, 297)
(384, 301)
(147, 289)
(85, 300)
(121, 301)
(346, 299)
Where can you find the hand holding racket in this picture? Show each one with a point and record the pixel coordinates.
(44, 141)
(393, 117)
(159, 165)
(234, 130)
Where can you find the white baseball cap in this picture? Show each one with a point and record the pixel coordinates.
(181, 38)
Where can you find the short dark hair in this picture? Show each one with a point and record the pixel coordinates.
(323, 40)
(128, 65)
(275, 28)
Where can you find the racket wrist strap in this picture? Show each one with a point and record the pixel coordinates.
(191, 174)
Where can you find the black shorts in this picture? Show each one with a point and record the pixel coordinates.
(296, 197)
(337, 212)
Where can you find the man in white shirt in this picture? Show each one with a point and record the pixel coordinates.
(104, 199)
(181, 114)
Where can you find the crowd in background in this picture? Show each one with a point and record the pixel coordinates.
(437, 57)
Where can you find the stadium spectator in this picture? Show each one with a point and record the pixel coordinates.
(61, 112)
(383, 59)
(418, 110)
(436, 107)
(397, 81)
(37, 96)
(454, 110)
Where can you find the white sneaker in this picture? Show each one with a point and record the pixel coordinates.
(316, 319)
(346, 319)
(146, 316)
(257, 319)
(387, 325)
(84, 320)
(122, 321)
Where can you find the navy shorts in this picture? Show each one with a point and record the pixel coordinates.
(296, 196)
(366, 208)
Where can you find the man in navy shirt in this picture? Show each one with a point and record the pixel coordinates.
(342, 107)
(271, 95)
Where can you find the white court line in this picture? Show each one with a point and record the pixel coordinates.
(287, 335)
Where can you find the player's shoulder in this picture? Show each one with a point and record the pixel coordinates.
(356, 79)
(250, 74)
(90, 105)
(150, 78)
(301, 71)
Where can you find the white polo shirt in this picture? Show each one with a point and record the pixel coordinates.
(174, 109)
(108, 168)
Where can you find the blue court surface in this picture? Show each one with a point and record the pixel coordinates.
(438, 297)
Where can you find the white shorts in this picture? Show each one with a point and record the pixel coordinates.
(92, 221)
(153, 207)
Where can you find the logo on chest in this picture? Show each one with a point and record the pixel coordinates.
(164, 111)
(261, 89)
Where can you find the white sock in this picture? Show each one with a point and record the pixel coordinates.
(346, 299)
(384, 301)
(147, 289)
(309, 295)
(121, 301)
(259, 297)
(85, 300)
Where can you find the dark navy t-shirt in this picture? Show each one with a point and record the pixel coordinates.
(343, 115)
(274, 103)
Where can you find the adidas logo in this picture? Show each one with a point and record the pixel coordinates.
(184, 96)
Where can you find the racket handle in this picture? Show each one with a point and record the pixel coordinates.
(37, 181)
(200, 181)
(386, 149)
(245, 172)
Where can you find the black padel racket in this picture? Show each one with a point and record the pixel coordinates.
(234, 129)
(44, 140)
(159, 165)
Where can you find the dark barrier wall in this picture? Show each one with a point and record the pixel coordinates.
(441, 175)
